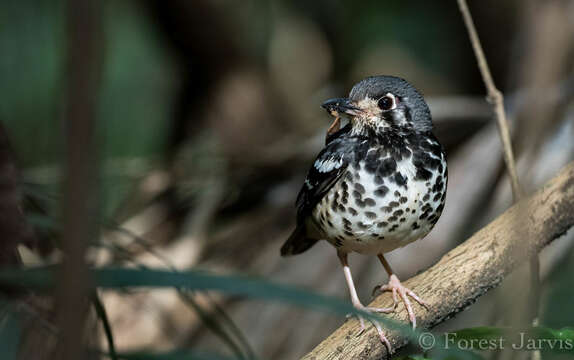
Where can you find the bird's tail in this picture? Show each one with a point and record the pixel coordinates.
(297, 243)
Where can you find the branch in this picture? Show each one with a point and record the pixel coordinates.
(469, 270)
(494, 97)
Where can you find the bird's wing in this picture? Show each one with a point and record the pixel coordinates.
(328, 167)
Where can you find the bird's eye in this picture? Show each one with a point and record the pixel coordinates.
(387, 102)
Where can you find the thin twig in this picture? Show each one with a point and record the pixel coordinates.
(103, 315)
(497, 99)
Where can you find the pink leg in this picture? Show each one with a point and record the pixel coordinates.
(358, 305)
(397, 288)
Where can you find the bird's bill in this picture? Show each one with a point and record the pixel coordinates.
(341, 106)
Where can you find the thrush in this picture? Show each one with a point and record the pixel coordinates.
(377, 185)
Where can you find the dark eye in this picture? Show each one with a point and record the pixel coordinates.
(387, 102)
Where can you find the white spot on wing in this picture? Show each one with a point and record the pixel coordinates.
(327, 165)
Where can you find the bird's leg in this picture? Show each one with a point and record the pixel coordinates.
(397, 288)
(358, 305)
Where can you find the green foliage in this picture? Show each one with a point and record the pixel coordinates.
(173, 355)
(43, 278)
(10, 330)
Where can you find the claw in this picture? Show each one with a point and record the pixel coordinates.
(399, 290)
(377, 326)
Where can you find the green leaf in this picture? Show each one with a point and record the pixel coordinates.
(117, 278)
(172, 355)
(43, 278)
(10, 330)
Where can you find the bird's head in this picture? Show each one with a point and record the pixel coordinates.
(383, 102)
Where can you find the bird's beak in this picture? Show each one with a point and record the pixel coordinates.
(341, 105)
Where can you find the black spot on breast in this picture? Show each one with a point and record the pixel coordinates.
(397, 194)
(371, 163)
(379, 179)
(415, 226)
(422, 174)
(392, 219)
(387, 167)
(403, 219)
(382, 224)
(349, 176)
(357, 195)
(398, 212)
(344, 185)
(345, 198)
(341, 208)
(370, 202)
(393, 204)
(370, 214)
(387, 209)
(362, 225)
(348, 233)
(426, 197)
(360, 188)
(330, 223)
(403, 200)
(399, 179)
(334, 205)
(436, 197)
(352, 211)
(381, 191)
(438, 185)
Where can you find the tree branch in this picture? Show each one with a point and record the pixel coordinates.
(469, 270)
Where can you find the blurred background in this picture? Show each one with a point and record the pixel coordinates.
(207, 118)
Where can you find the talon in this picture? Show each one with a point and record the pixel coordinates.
(377, 326)
(398, 290)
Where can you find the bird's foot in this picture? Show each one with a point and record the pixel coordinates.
(397, 288)
(377, 326)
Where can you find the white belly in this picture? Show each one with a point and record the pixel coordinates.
(386, 215)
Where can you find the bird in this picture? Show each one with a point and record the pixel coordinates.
(378, 184)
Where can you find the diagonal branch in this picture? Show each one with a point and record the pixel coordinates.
(469, 270)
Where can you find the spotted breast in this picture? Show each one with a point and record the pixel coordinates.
(391, 192)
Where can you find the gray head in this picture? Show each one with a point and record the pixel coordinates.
(380, 102)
